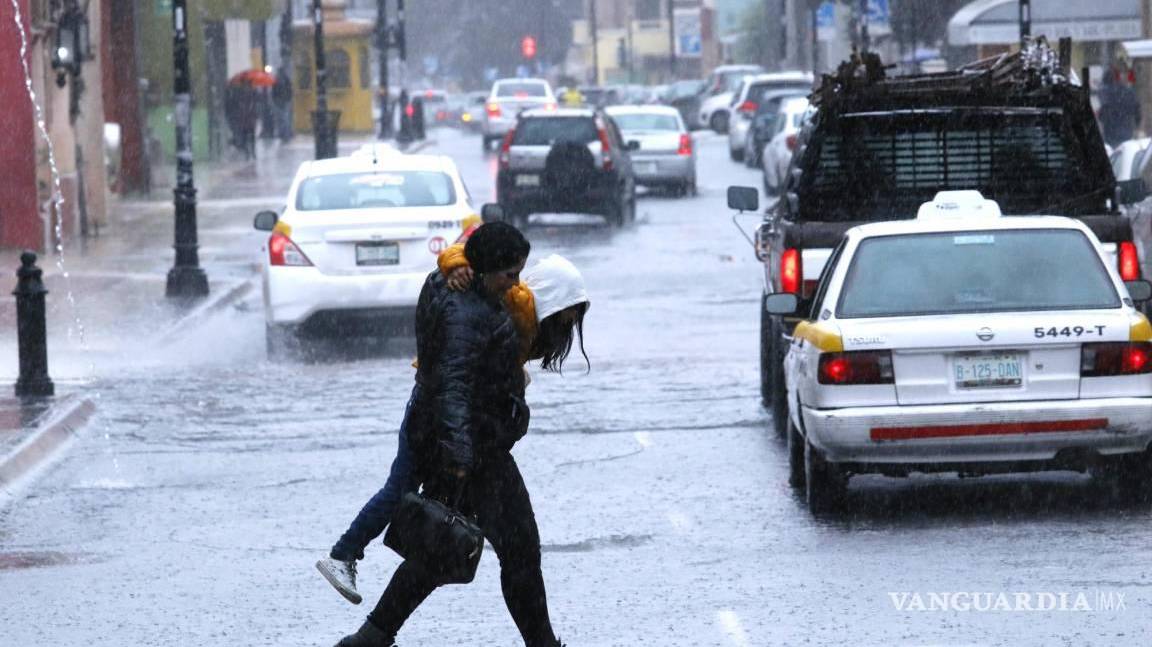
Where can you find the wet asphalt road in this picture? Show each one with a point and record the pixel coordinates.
(192, 509)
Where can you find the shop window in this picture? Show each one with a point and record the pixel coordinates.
(339, 69)
(647, 9)
(365, 69)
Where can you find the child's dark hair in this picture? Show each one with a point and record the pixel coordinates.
(554, 340)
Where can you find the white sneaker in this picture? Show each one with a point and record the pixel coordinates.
(342, 577)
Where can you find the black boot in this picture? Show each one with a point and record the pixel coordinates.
(368, 635)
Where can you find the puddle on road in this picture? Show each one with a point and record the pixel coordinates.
(597, 543)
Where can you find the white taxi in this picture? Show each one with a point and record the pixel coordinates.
(965, 341)
(350, 251)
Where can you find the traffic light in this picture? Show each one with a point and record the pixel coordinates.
(528, 47)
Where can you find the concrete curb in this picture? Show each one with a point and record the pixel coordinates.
(212, 306)
(69, 415)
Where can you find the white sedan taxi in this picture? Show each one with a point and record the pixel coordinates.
(355, 242)
(966, 341)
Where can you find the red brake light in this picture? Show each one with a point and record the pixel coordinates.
(790, 142)
(791, 271)
(550, 106)
(283, 252)
(493, 109)
(685, 144)
(409, 110)
(506, 149)
(856, 367)
(605, 148)
(1128, 260)
(1115, 358)
(748, 107)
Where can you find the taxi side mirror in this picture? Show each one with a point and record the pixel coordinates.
(491, 212)
(266, 220)
(781, 303)
(1140, 290)
(743, 198)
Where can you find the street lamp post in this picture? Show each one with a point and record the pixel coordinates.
(671, 41)
(382, 39)
(323, 125)
(1026, 20)
(185, 280)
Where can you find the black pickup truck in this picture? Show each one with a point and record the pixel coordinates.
(874, 147)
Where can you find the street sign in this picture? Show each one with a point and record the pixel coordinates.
(689, 42)
(879, 18)
(826, 21)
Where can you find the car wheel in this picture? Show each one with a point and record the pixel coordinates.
(719, 121)
(736, 155)
(825, 484)
(614, 213)
(1126, 476)
(796, 466)
(777, 400)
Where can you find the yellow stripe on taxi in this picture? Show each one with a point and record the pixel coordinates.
(821, 335)
(1141, 330)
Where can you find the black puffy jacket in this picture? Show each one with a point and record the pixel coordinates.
(471, 380)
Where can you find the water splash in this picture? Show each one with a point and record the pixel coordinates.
(57, 189)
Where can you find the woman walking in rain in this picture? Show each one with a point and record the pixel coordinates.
(546, 310)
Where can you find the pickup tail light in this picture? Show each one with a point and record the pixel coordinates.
(506, 149)
(551, 105)
(790, 141)
(1115, 358)
(1128, 261)
(282, 252)
(605, 148)
(791, 271)
(856, 367)
(748, 108)
(493, 109)
(685, 144)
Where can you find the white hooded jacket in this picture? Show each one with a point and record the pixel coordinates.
(555, 284)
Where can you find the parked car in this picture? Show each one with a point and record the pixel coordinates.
(508, 98)
(746, 101)
(1128, 158)
(777, 153)
(566, 160)
(350, 251)
(763, 125)
(600, 97)
(966, 341)
(684, 96)
(472, 117)
(664, 155)
(715, 101)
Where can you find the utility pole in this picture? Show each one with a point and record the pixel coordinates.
(595, 44)
(1026, 20)
(865, 43)
(671, 40)
(1144, 70)
(186, 281)
(285, 126)
(382, 40)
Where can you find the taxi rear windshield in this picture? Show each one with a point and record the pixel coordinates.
(545, 131)
(975, 271)
(376, 190)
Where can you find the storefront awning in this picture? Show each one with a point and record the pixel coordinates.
(997, 22)
(1138, 48)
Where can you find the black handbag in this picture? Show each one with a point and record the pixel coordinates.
(444, 540)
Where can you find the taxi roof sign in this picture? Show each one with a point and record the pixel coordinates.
(958, 204)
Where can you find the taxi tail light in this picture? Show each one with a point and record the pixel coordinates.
(1128, 261)
(493, 109)
(685, 144)
(284, 253)
(790, 141)
(506, 149)
(856, 367)
(1115, 358)
(605, 148)
(791, 271)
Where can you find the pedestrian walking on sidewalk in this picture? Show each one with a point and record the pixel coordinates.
(461, 424)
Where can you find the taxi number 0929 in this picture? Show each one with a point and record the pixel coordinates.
(1068, 331)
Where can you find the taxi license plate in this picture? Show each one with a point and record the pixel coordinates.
(646, 168)
(378, 253)
(988, 371)
(527, 180)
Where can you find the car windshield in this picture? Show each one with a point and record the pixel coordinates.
(376, 190)
(521, 90)
(641, 121)
(545, 131)
(975, 271)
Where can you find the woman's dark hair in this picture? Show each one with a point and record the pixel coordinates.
(554, 339)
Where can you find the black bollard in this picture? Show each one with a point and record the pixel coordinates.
(32, 330)
(405, 134)
(418, 118)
